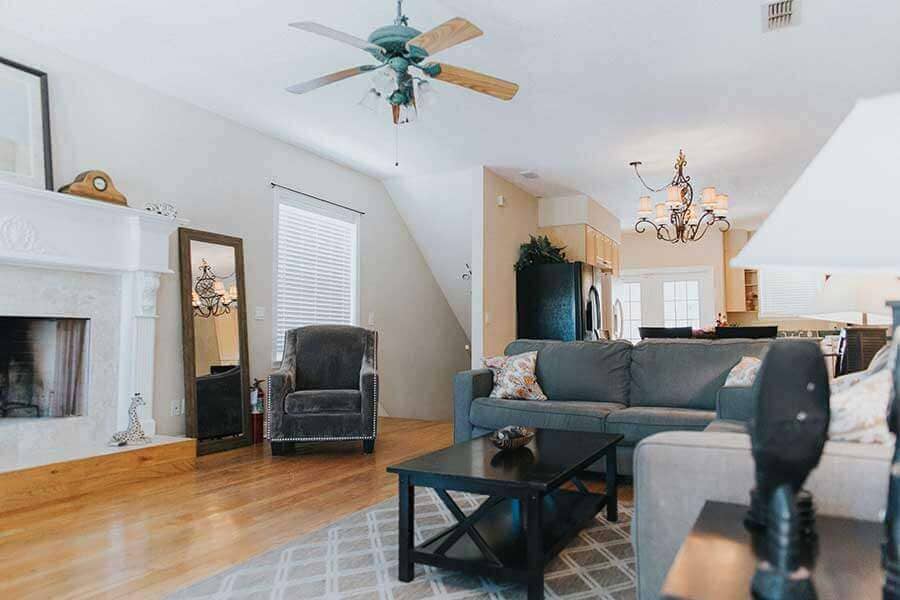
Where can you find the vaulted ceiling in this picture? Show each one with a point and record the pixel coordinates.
(603, 83)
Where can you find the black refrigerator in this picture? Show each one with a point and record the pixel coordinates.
(562, 301)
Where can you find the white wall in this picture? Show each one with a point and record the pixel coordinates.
(568, 210)
(644, 251)
(437, 209)
(217, 172)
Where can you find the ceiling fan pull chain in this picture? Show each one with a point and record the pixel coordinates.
(397, 145)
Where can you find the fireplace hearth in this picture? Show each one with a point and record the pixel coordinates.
(43, 367)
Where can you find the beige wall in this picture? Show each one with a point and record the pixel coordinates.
(217, 172)
(505, 229)
(644, 251)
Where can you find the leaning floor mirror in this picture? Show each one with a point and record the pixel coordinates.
(214, 333)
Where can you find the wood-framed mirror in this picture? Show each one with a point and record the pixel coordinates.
(214, 340)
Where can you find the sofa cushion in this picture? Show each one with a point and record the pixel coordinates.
(578, 415)
(636, 423)
(685, 373)
(307, 402)
(591, 371)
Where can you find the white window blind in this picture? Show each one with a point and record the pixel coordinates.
(316, 261)
(788, 294)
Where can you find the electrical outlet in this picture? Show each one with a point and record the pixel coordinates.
(178, 407)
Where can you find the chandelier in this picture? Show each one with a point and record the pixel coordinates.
(679, 219)
(209, 297)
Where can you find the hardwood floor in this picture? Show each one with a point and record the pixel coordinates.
(149, 539)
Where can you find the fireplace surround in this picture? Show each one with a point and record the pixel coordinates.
(68, 258)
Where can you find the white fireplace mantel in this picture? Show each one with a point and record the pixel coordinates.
(50, 230)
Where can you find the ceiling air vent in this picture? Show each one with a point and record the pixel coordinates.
(529, 174)
(781, 14)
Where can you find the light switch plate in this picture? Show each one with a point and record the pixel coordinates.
(260, 313)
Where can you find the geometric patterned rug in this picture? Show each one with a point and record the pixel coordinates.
(356, 558)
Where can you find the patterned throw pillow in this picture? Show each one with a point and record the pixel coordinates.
(743, 373)
(514, 377)
(859, 408)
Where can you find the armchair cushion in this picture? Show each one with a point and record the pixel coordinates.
(307, 402)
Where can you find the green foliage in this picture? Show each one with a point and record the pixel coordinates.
(539, 251)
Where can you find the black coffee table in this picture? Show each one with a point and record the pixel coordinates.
(526, 520)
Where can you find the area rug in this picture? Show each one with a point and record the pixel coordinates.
(356, 558)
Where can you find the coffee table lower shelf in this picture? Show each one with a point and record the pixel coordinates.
(504, 527)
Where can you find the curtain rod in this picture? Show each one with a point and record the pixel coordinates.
(284, 187)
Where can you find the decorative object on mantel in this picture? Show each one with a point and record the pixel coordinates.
(25, 157)
(788, 433)
(679, 220)
(94, 184)
(210, 298)
(134, 434)
(539, 251)
(163, 209)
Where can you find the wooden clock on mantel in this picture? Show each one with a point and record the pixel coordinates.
(97, 185)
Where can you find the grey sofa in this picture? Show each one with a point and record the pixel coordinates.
(616, 387)
(326, 388)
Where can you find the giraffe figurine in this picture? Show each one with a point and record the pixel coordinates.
(134, 434)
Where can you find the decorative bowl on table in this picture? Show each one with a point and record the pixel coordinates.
(512, 437)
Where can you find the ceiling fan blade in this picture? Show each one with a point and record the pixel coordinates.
(314, 84)
(453, 32)
(479, 82)
(339, 36)
(395, 111)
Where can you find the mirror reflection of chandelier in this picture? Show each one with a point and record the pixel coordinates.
(679, 219)
(209, 297)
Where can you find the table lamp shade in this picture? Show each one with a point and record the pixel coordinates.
(842, 214)
(857, 299)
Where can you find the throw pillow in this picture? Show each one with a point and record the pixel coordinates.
(514, 377)
(859, 408)
(743, 373)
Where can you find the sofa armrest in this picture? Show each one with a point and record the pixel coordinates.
(850, 481)
(468, 385)
(735, 403)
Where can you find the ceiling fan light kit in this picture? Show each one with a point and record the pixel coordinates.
(402, 78)
(678, 219)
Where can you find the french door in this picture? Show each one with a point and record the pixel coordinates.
(669, 297)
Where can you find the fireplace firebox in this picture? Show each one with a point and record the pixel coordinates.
(43, 366)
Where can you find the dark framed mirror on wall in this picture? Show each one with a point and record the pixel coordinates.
(214, 337)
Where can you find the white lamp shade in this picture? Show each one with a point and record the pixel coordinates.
(842, 213)
(847, 297)
(721, 206)
(673, 196)
(708, 199)
(662, 214)
(646, 207)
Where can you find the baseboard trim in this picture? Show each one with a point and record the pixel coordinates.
(32, 487)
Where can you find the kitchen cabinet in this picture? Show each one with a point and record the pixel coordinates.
(584, 243)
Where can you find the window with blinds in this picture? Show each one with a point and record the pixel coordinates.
(316, 258)
(788, 294)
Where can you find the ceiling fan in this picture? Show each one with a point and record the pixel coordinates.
(400, 48)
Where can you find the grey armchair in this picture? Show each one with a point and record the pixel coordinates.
(326, 388)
